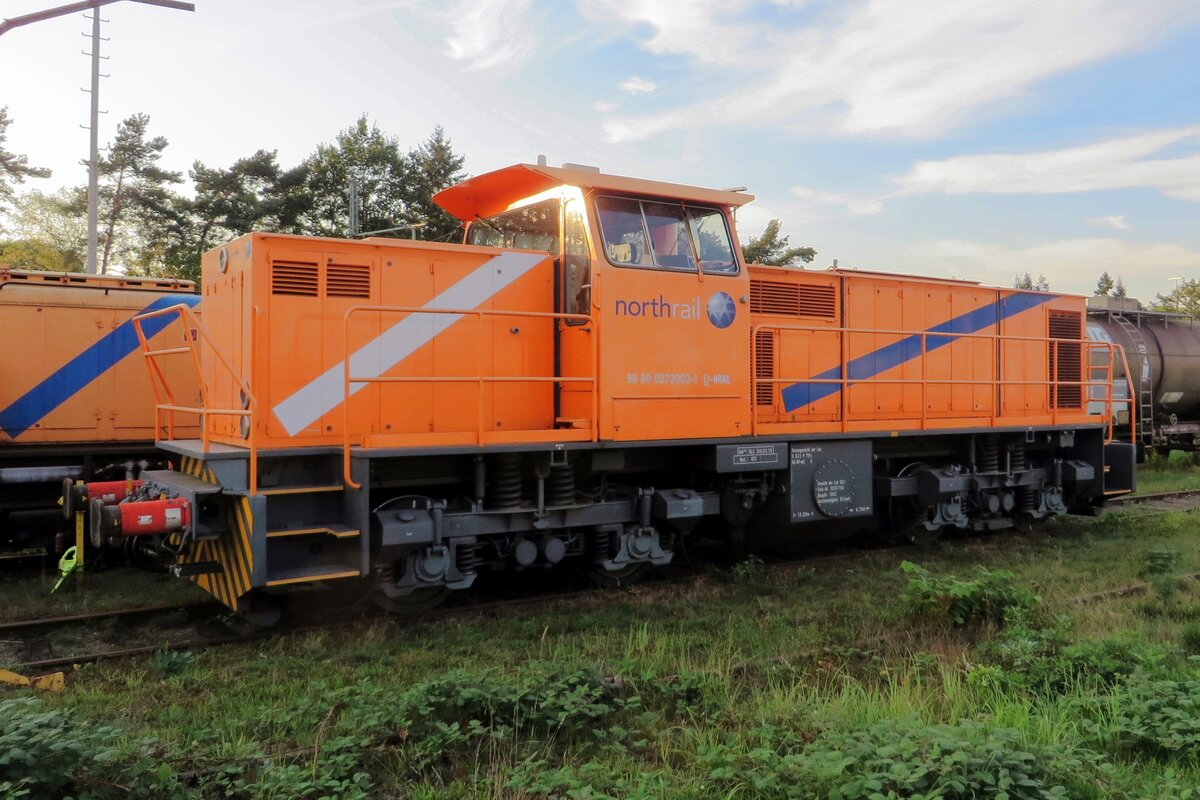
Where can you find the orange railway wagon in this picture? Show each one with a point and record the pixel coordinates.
(75, 402)
(593, 375)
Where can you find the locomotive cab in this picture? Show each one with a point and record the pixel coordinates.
(656, 266)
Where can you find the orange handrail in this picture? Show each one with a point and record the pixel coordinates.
(192, 322)
(844, 381)
(479, 378)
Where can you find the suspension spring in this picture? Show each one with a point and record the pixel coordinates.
(1026, 495)
(504, 481)
(601, 544)
(467, 558)
(560, 486)
(989, 454)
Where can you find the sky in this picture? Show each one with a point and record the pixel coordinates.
(975, 139)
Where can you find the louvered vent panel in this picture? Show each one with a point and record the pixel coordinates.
(344, 280)
(764, 368)
(1066, 325)
(774, 297)
(294, 279)
(818, 301)
(793, 299)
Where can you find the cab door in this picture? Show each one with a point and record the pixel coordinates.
(672, 304)
(575, 349)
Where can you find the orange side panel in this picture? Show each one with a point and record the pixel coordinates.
(79, 376)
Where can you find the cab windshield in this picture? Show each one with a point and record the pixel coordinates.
(665, 235)
(532, 227)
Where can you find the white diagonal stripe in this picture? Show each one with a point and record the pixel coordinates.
(324, 393)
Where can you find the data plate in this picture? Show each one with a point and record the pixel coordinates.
(830, 480)
(751, 457)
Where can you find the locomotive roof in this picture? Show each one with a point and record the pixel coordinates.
(18, 277)
(493, 192)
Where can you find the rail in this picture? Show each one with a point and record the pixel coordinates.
(845, 380)
(161, 386)
(478, 378)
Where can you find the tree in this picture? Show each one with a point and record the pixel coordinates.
(772, 249)
(134, 188)
(1119, 288)
(1183, 299)
(1026, 281)
(1104, 284)
(433, 166)
(253, 193)
(50, 232)
(364, 155)
(14, 169)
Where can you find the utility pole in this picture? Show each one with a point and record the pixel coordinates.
(93, 241)
(94, 136)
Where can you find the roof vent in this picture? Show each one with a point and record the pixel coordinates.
(581, 167)
(541, 160)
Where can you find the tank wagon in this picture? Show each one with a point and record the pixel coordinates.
(592, 377)
(75, 402)
(1163, 351)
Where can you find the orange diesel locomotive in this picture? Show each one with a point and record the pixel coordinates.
(592, 375)
(75, 403)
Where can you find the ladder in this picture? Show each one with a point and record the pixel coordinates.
(1145, 391)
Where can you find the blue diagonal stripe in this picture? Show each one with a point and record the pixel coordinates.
(84, 368)
(867, 366)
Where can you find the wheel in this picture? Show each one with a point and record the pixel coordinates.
(421, 601)
(907, 521)
(615, 578)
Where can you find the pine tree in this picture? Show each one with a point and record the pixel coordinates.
(433, 166)
(365, 156)
(772, 249)
(1104, 284)
(1119, 288)
(14, 168)
(134, 189)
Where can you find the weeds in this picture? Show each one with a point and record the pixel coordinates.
(1158, 717)
(984, 600)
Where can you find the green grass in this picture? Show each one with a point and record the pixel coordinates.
(744, 685)
(1179, 472)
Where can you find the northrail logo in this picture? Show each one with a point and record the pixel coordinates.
(720, 309)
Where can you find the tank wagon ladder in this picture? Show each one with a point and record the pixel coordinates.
(1145, 399)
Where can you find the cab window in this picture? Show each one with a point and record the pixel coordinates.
(533, 227)
(577, 279)
(712, 240)
(624, 233)
(665, 235)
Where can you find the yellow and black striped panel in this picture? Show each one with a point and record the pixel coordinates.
(231, 550)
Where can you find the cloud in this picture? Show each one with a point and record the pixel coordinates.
(850, 203)
(1114, 164)
(488, 34)
(1071, 265)
(706, 30)
(1116, 222)
(914, 69)
(605, 106)
(636, 85)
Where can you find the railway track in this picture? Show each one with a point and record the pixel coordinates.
(246, 634)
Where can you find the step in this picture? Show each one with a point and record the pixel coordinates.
(306, 575)
(310, 489)
(339, 531)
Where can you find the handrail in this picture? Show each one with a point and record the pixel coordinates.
(479, 379)
(191, 321)
(924, 381)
